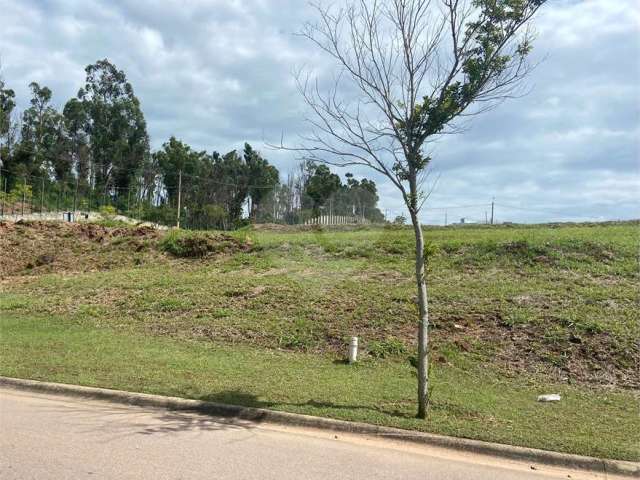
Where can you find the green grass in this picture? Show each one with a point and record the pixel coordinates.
(473, 403)
(515, 311)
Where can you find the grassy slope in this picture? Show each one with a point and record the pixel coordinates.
(517, 312)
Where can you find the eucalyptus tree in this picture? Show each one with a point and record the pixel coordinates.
(417, 68)
(177, 159)
(42, 149)
(36, 124)
(119, 142)
(320, 186)
(7, 105)
(75, 123)
(228, 182)
(263, 178)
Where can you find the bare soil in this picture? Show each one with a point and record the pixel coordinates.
(34, 248)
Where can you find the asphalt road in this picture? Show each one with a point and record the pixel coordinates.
(53, 437)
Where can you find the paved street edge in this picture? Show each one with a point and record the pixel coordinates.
(616, 467)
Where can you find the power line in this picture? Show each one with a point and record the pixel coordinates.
(545, 211)
(454, 207)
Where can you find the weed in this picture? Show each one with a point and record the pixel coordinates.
(190, 244)
(385, 348)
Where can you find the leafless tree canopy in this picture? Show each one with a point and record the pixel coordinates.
(411, 69)
(408, 69)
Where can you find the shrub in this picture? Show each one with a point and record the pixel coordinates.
(19, 192)
(385, 348)
(187, 244)
(108, 211)
(400, 220)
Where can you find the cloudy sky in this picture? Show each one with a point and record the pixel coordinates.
(217, 73)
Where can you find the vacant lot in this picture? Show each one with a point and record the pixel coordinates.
(262, 318)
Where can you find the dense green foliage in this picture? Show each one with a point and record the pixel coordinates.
(115, 127)
(95, 153)
(7, 104)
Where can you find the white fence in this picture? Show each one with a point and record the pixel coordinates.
(68, 216)
(336, 220)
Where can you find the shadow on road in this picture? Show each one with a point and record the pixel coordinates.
(116, 421)
(234, 397)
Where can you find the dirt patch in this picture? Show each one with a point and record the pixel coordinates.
(386, 276)
(568, 357)
(276, 227)
(33, 247)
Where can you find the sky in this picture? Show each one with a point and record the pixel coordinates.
(218, 73)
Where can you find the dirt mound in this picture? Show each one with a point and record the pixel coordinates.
(186, 244)
(571, 356)
(100, 233)
(273, 227)
(34, 247)
(278, 227)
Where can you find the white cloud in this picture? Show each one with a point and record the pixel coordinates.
(217, 73)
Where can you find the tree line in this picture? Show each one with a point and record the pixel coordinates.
(95, 154)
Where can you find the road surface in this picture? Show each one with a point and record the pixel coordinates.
(55, 437)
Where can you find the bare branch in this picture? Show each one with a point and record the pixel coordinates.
(418, 68)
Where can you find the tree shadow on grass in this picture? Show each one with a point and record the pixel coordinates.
(245, 399)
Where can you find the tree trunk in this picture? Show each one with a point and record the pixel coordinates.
(253, 212)
(423, 321)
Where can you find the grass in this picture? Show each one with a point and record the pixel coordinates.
(473, 403)
(194, 244)
(516, 311)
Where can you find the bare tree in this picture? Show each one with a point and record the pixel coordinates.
(409, 71)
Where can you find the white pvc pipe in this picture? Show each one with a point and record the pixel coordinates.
(353, 350)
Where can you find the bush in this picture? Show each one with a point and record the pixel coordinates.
(19, 192)
(187, 244)
(385, 348)
(400, 220)
(108, 211)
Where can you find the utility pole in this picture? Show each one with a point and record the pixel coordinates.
(75, 199)
(276, 204)
(42, 198)
(4, 197)
(140, 193)
(331, 211)
(486, 221)
(179, 197)
(445, 218)
(24, 193)
(493, 199)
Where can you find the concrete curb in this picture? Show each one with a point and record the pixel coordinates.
(613, 467)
